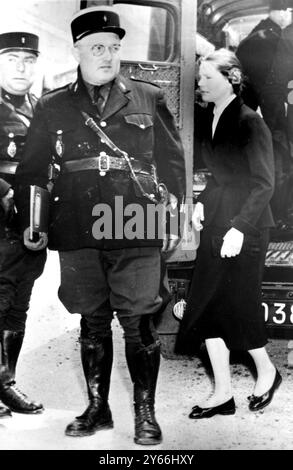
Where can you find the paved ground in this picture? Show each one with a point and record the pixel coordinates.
(49, 370)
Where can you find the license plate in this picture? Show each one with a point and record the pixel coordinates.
(278, 313)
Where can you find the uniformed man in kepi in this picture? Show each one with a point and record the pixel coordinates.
(19, 267)
(259, 54)
(106, 268)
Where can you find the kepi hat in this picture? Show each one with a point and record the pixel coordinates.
(19, 40)
(94, 20)
(280, 4)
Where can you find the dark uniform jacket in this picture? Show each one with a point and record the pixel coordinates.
(15, 116)
(257, 53)
(138, 121)
(283, 73)
(240, 159)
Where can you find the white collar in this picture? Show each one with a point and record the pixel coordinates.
(218, 110)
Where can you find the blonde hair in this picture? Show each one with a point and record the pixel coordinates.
(226, 62)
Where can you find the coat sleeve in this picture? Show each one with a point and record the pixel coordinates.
(258, 150)
(168, 150)
(273, 93)
(33, 169)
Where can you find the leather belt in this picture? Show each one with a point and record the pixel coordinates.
(103, 164)
(8, 167)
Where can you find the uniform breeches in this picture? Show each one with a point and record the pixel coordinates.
(19, 268)
(96, 283)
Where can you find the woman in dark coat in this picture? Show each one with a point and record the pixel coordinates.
(224, 304)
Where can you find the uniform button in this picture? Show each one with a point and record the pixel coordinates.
(142, 126)
(103, 123)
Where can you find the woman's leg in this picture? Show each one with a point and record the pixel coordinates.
(266, 370)
(219, 356)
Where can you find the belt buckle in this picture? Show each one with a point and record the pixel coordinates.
(103, 163)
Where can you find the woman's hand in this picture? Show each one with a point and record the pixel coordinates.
(232, 244)
(198, 216)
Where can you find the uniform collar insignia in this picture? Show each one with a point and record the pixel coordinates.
(122, 84)
(73, 87)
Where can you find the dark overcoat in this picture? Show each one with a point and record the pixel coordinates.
(137, 120)
(283, 73)
(225, 293)
(14, 119)
(257, 53)
(19, 267)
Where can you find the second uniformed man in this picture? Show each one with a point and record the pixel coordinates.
(19, 267)
(114, 271)
(258, 54)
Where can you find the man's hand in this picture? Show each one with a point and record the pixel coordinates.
(35, 246)
(198, 216)
(171, 241)
(7, 201)
(233, 241)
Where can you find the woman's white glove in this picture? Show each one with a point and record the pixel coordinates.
(232, 244)
(198, 216)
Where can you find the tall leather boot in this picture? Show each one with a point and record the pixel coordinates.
(97, 358)
(143, 364)
(4, 410)
(10, 343)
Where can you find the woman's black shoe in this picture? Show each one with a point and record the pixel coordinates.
(227, 408)
(258, 403)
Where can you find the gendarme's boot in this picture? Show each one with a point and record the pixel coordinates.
(10, 344)
(97, 358)
(143, 366)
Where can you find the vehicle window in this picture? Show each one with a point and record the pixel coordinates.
(150, 33)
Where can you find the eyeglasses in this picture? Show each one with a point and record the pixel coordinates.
(99, 49)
